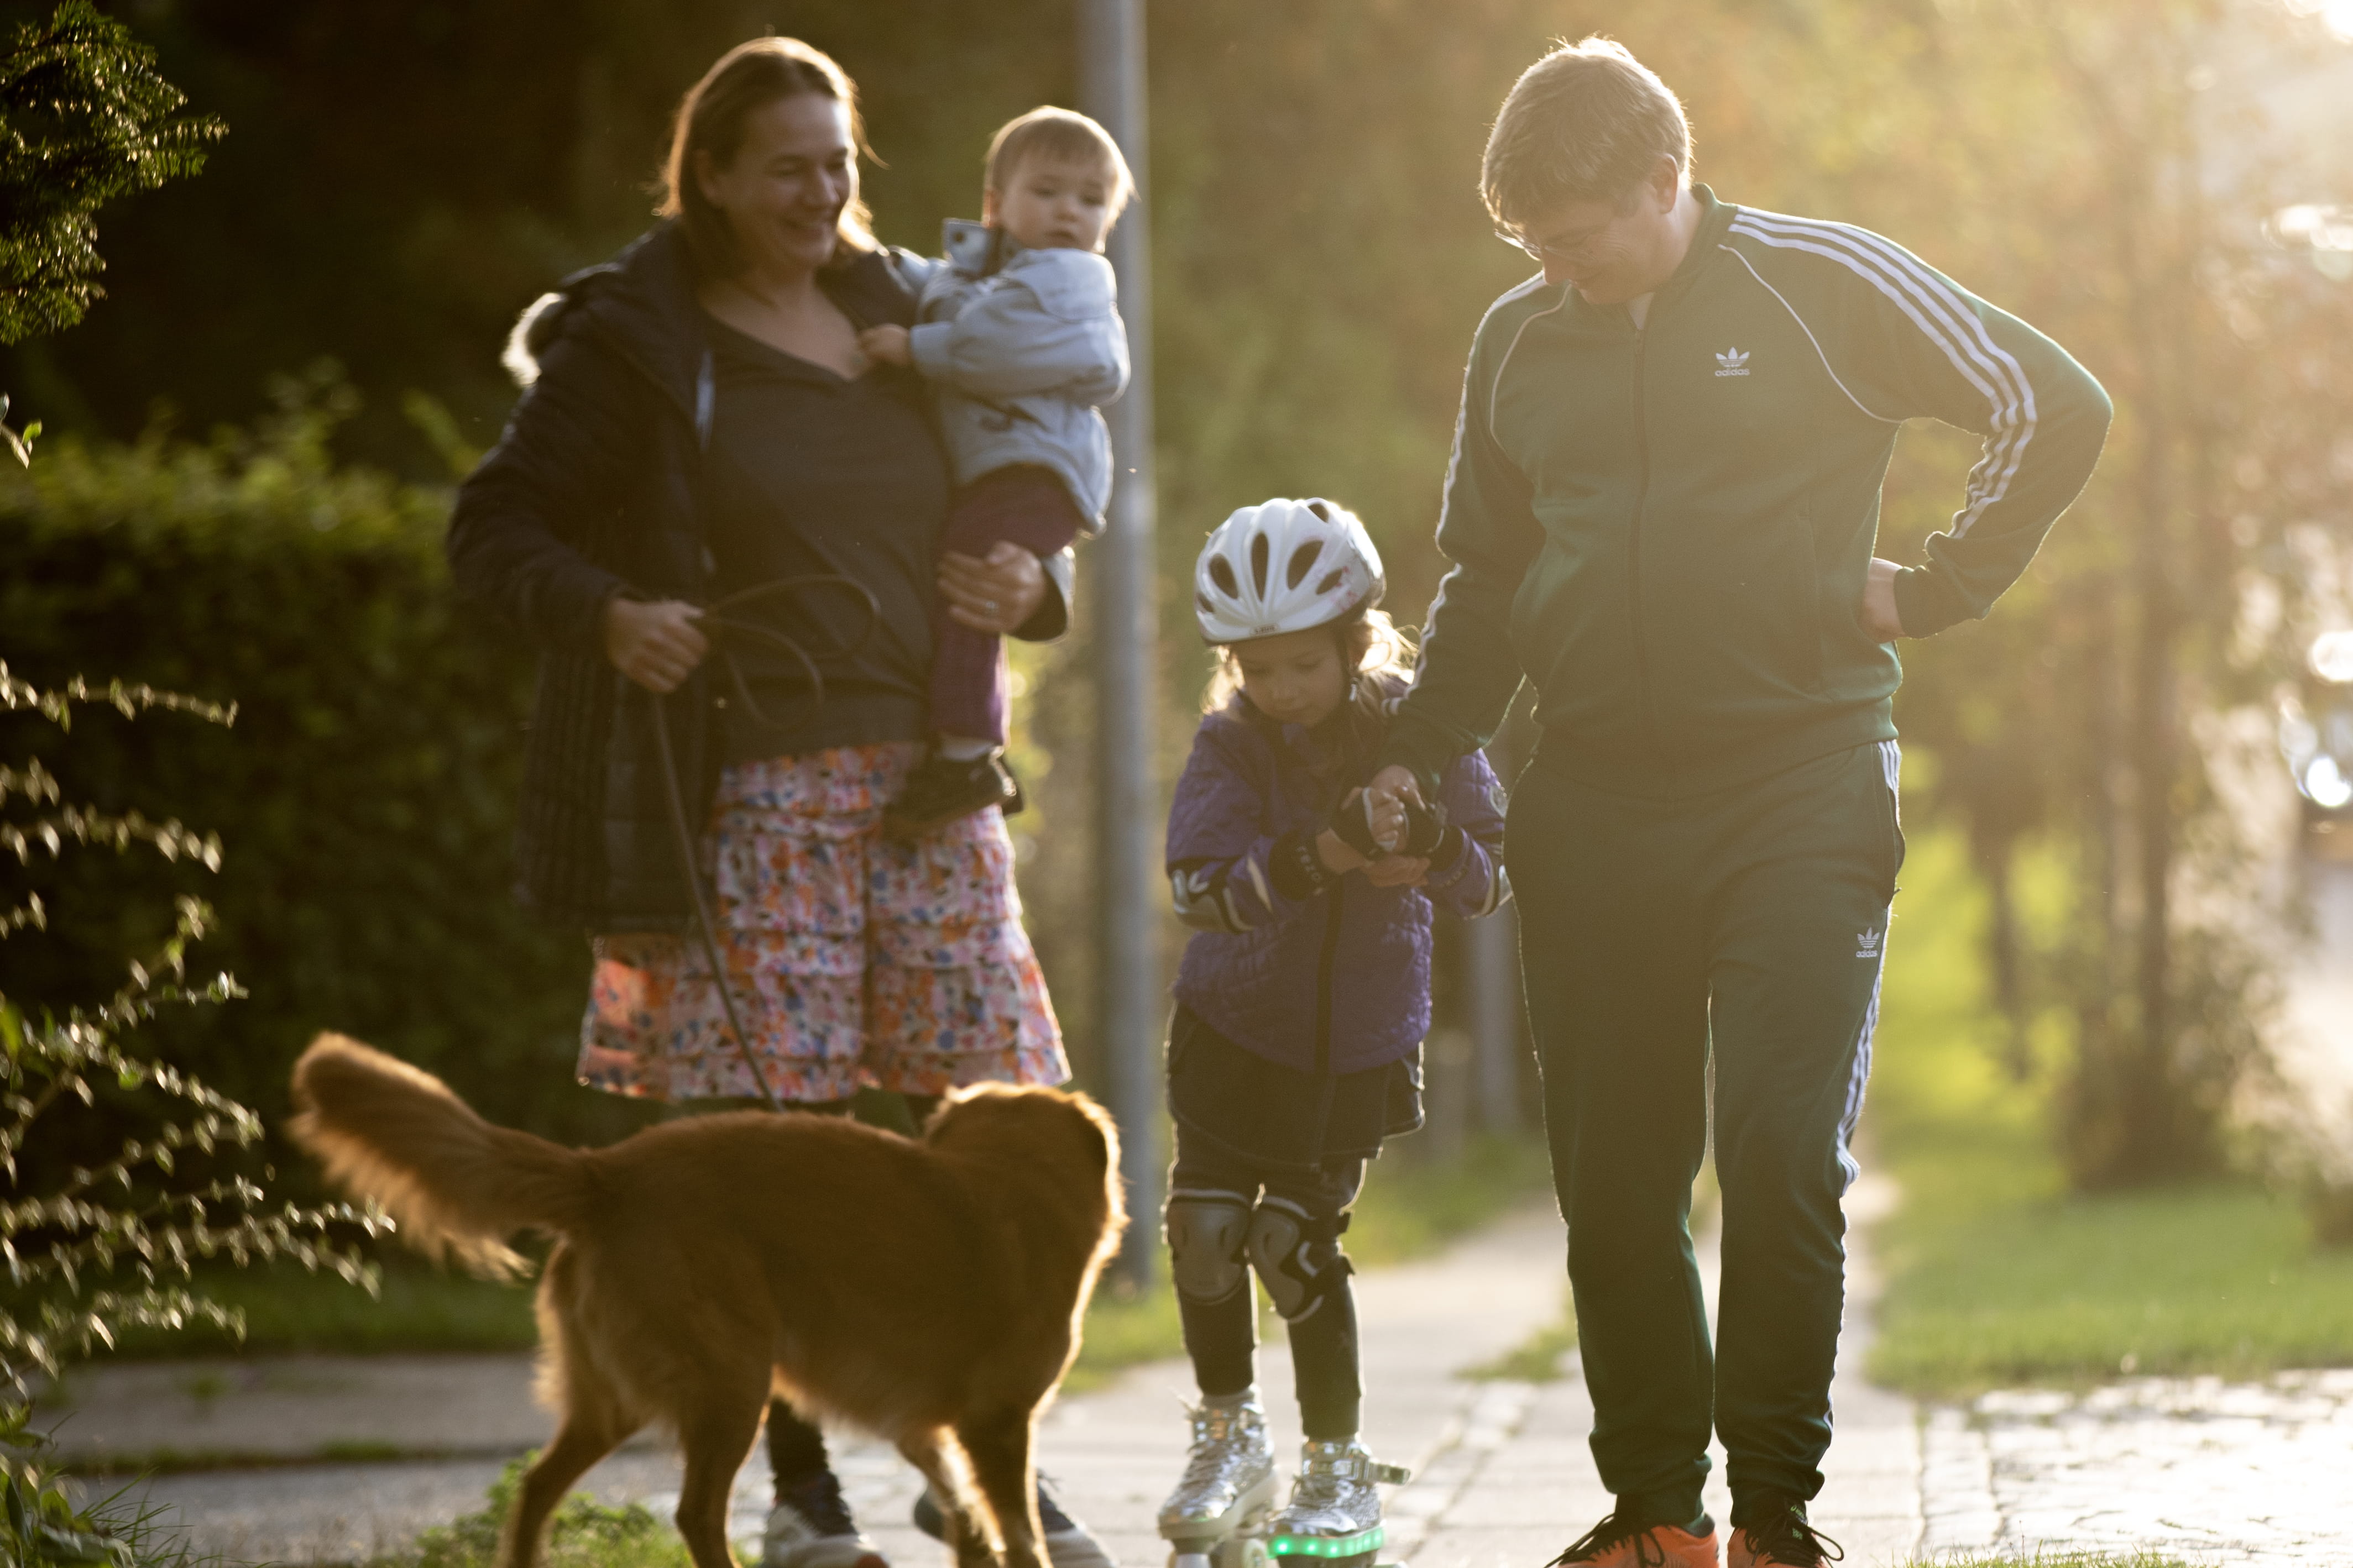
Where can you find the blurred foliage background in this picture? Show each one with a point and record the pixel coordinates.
(401, 176)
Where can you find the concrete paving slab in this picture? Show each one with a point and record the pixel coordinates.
(2217, 1472)
(1481, 1547)
(295, 1408)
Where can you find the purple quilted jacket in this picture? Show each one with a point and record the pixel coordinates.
(1333, 980)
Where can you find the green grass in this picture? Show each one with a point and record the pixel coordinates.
(1412, 1208)
(584, 1533)
(288, 1310)
(1996, 1274)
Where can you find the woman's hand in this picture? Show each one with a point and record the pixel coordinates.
(657, 644)
(887, 344)
(1397, 871)
(1337, 857)
(997, 593)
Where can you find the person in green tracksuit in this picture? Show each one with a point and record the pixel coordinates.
(1662, 508)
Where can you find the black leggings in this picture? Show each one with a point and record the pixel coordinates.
(795, 1447)
(1222, 1336)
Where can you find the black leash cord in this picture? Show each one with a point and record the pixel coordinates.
(720, 627)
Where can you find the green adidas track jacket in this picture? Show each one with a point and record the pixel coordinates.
(1667, 529)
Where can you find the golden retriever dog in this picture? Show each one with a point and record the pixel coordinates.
(929, 1291)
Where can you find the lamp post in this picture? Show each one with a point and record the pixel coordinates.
(1128, 883)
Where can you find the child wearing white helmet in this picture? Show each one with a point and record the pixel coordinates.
(1301, 1007)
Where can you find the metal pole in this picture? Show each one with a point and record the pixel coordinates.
(1129, 887)
(1492, 955)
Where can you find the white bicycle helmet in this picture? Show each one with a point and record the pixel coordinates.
(1284, 566)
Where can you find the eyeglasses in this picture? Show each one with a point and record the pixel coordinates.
(1564, 251)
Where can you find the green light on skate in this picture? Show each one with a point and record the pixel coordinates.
(1326, 1545)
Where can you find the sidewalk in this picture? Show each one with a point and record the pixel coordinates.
(2211, 1472)
(1502, 1474)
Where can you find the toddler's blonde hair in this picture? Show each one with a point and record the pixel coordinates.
(1063, 136)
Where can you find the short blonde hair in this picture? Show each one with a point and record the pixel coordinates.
(1065, 136)
(1586, 123)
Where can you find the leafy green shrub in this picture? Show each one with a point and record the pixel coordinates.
(87, 119)
(144, 1177)
(41, 1525)
(368, 797)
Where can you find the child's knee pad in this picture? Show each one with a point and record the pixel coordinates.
(1298, 1256)
(1206, 1234)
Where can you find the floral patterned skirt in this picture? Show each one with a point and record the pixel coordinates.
(855, 962)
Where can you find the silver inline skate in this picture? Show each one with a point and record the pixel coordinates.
(1227, 1489)
(1333, 1518)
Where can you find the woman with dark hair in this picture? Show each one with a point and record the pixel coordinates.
(697, 421)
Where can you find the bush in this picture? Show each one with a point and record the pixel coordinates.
(119, 1174)
(41, 1526)
(367, 797)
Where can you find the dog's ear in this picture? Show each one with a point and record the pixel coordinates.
(1105, 1130)
(1105, 1141)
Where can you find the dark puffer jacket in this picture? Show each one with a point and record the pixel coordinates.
(1330, 981)
(592, 492)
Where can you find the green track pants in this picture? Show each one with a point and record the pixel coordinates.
(1748, 924)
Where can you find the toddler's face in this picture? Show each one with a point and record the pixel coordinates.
(1052, 203)
(1298, 677)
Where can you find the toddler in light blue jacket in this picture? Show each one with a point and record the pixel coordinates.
(1019, 335)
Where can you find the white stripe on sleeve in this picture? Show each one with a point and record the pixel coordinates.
(1945, 318)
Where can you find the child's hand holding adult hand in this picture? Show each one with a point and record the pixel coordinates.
(886, 345)
(1361, 831)
(1396, 783)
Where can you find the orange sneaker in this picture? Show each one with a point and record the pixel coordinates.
(1780, 1537)
(1619, 1541)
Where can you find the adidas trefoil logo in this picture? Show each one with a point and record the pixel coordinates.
(1866, 943)
(1732, 361)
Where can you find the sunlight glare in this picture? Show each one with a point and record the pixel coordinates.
(2336, 15)
(2332, 657)
(2326, 783)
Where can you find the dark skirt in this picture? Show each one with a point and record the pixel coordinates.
(1251, 1108)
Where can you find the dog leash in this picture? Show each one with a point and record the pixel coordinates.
(721, 626)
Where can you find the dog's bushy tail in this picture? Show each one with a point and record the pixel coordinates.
(457, 1184)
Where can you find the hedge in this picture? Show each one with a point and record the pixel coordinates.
(364, 795)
